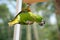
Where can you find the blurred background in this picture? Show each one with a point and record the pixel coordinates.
(50, 31)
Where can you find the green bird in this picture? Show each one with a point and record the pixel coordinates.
(26, 17)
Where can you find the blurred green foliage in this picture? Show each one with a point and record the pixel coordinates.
(5, 15)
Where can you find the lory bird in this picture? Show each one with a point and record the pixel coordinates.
(26, 17)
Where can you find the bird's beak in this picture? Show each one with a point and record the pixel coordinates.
(42, 23)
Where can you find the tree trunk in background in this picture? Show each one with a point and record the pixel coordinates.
(28, 32)
(35, 31)
(58, 24)
(57, 4)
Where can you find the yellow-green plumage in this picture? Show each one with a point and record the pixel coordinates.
(25, 16)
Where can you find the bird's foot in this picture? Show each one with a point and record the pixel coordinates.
(29, 22)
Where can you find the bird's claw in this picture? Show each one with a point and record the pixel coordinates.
(29, 22)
